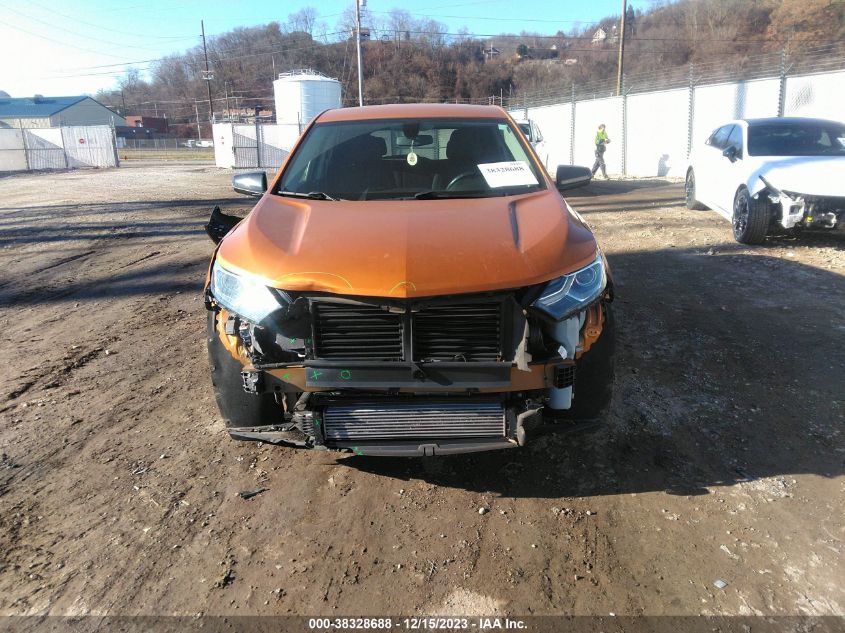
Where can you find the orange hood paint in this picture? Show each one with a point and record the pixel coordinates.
(408, 248)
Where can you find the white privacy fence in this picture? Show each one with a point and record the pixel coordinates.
(69, 147)
(651, 132)
(244, 146)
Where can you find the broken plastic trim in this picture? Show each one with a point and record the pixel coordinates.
(219, 224)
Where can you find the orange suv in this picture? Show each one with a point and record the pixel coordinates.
(411, 283)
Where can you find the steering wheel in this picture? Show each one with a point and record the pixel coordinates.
(460, 178)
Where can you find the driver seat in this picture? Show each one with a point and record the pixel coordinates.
(467, 148)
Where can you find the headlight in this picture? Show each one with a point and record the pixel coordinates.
(245, 297)
(568, 294)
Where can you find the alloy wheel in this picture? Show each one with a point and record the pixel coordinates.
(740, 218)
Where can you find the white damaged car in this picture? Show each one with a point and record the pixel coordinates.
(532, 132)
(771, 175)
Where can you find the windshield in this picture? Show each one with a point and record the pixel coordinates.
(407, 158)
(526, 129)
(805, 138)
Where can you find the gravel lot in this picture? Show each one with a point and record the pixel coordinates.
(722, 459)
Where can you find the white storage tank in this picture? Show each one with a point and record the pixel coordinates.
(303, 94)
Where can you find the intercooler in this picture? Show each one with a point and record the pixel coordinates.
(410, 420)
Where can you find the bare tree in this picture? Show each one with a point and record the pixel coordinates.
(304, 21)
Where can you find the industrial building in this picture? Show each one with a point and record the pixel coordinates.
(43, 112)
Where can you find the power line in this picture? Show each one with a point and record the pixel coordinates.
(144, 35)
(50, 39)
(83, 36)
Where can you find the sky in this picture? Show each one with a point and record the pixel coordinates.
(80, 46)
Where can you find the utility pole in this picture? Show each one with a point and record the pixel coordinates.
(199, 132)
(123, 98)
(358, 45)
(207, 74)
(228, 108)
(621, 50)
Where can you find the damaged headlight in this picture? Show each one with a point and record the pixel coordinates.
(573, 292)
(244, 296)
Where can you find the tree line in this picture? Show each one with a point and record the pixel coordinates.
(408, 59)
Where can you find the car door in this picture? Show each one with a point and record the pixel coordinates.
(540, 145)
(709, 168)
(731, 172)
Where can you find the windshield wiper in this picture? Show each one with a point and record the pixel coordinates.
(312, 195)
(443, 195)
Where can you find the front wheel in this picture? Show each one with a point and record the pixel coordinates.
(750, 218)
(689, 193)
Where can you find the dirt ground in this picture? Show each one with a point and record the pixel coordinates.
(722, 458)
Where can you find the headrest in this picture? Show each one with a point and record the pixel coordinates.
(361, 148)
(473, 144)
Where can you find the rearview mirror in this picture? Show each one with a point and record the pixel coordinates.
(253, 183)
(730, 153)
(419, 140)
(572, 177)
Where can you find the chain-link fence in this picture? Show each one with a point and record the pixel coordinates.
(68, 147)
(163, 144)
(781, 64)
(658, 117)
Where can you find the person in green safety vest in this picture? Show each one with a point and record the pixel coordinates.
(601, 145)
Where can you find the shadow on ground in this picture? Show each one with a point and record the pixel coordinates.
(729, 369)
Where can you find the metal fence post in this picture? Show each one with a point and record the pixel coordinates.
(782, 85)
(624, 94)
(113, 145)
(257, 138)
(572, 126)
(25, 149)
(691, 109)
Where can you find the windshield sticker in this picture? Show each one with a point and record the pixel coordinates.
(412, 159)
(509, 174)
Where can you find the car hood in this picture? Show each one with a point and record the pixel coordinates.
(811, 175)
(408, 248)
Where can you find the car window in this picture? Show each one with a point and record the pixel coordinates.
(719, 138)
(798, 138)
(735, 140)
(526, 129)
(400, 158)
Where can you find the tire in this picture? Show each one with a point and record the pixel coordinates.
(594, 371)
(750, 218)
(689, 193)
(238, 408)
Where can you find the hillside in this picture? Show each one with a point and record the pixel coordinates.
(407, 59)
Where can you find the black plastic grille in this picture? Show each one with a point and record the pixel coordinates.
(466, 332)
(358, 332)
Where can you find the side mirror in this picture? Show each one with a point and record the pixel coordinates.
(730, 153)
(572, 177)
(219, 224)
(253, 183)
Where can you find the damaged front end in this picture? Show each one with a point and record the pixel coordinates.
(798, 211)
(434, 375)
